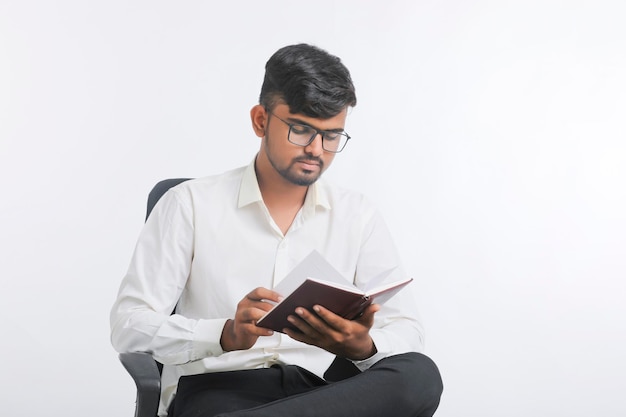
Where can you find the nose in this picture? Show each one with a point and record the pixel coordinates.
(315, 147)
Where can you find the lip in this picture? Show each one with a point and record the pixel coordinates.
(309, 165)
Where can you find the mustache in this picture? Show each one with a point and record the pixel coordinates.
(310, 160)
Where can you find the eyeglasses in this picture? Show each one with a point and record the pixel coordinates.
(303, 135)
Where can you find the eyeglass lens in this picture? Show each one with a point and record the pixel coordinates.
(331, 141)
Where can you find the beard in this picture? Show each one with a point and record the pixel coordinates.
(296, 175)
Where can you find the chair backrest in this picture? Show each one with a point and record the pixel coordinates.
(159, 189)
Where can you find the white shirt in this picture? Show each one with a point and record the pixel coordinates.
(210, 241)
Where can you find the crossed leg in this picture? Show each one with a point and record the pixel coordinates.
(406, 385)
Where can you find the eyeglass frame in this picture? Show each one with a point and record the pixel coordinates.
(322, 133)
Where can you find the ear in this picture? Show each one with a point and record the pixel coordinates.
(258, 115)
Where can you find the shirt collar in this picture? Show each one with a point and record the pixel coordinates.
(249, 191)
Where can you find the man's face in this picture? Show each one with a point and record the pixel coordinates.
(300, 165)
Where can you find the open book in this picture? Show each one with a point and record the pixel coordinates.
(333, 292)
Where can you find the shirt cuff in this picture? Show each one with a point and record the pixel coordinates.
(206, 338)
(383, 349)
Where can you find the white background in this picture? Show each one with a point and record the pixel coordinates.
(490, 133)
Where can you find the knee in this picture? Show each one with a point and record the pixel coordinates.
(426, 369)
(417, 380)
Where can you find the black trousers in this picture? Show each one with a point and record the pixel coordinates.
(406, 385)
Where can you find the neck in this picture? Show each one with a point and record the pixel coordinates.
(276, 190)
(282, 198)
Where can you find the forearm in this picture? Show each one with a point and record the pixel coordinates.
(171, 339)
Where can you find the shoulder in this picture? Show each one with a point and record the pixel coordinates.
(200, 193)
(345, 200)
(228, 180)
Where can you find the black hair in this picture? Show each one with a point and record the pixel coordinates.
(309, 80)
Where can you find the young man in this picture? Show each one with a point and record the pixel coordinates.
(213, 248)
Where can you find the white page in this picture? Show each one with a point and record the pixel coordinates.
(379, 280)
(314, 266)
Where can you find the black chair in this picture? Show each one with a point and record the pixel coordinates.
(146, 371)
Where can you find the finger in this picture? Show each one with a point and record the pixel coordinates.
(260, 298)
(263, 294)
(254, 330)
(251, 314)
(324, 318)
(299, 336)
(367, 317)
(262, 306)
(323, 321)
(302, 325)
(302, 332)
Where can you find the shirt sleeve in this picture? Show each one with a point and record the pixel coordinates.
(141, 318)
(397, 326)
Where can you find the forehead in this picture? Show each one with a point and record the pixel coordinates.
(336, 122)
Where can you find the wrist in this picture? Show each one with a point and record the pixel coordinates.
(226, 339)
(367, 353)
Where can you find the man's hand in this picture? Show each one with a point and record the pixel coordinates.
(345, 338)
(241, 332)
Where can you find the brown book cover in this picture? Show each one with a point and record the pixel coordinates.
(344, 300)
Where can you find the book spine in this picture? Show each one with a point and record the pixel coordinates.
(356, 310)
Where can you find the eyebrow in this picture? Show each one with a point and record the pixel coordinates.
(302, 122)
